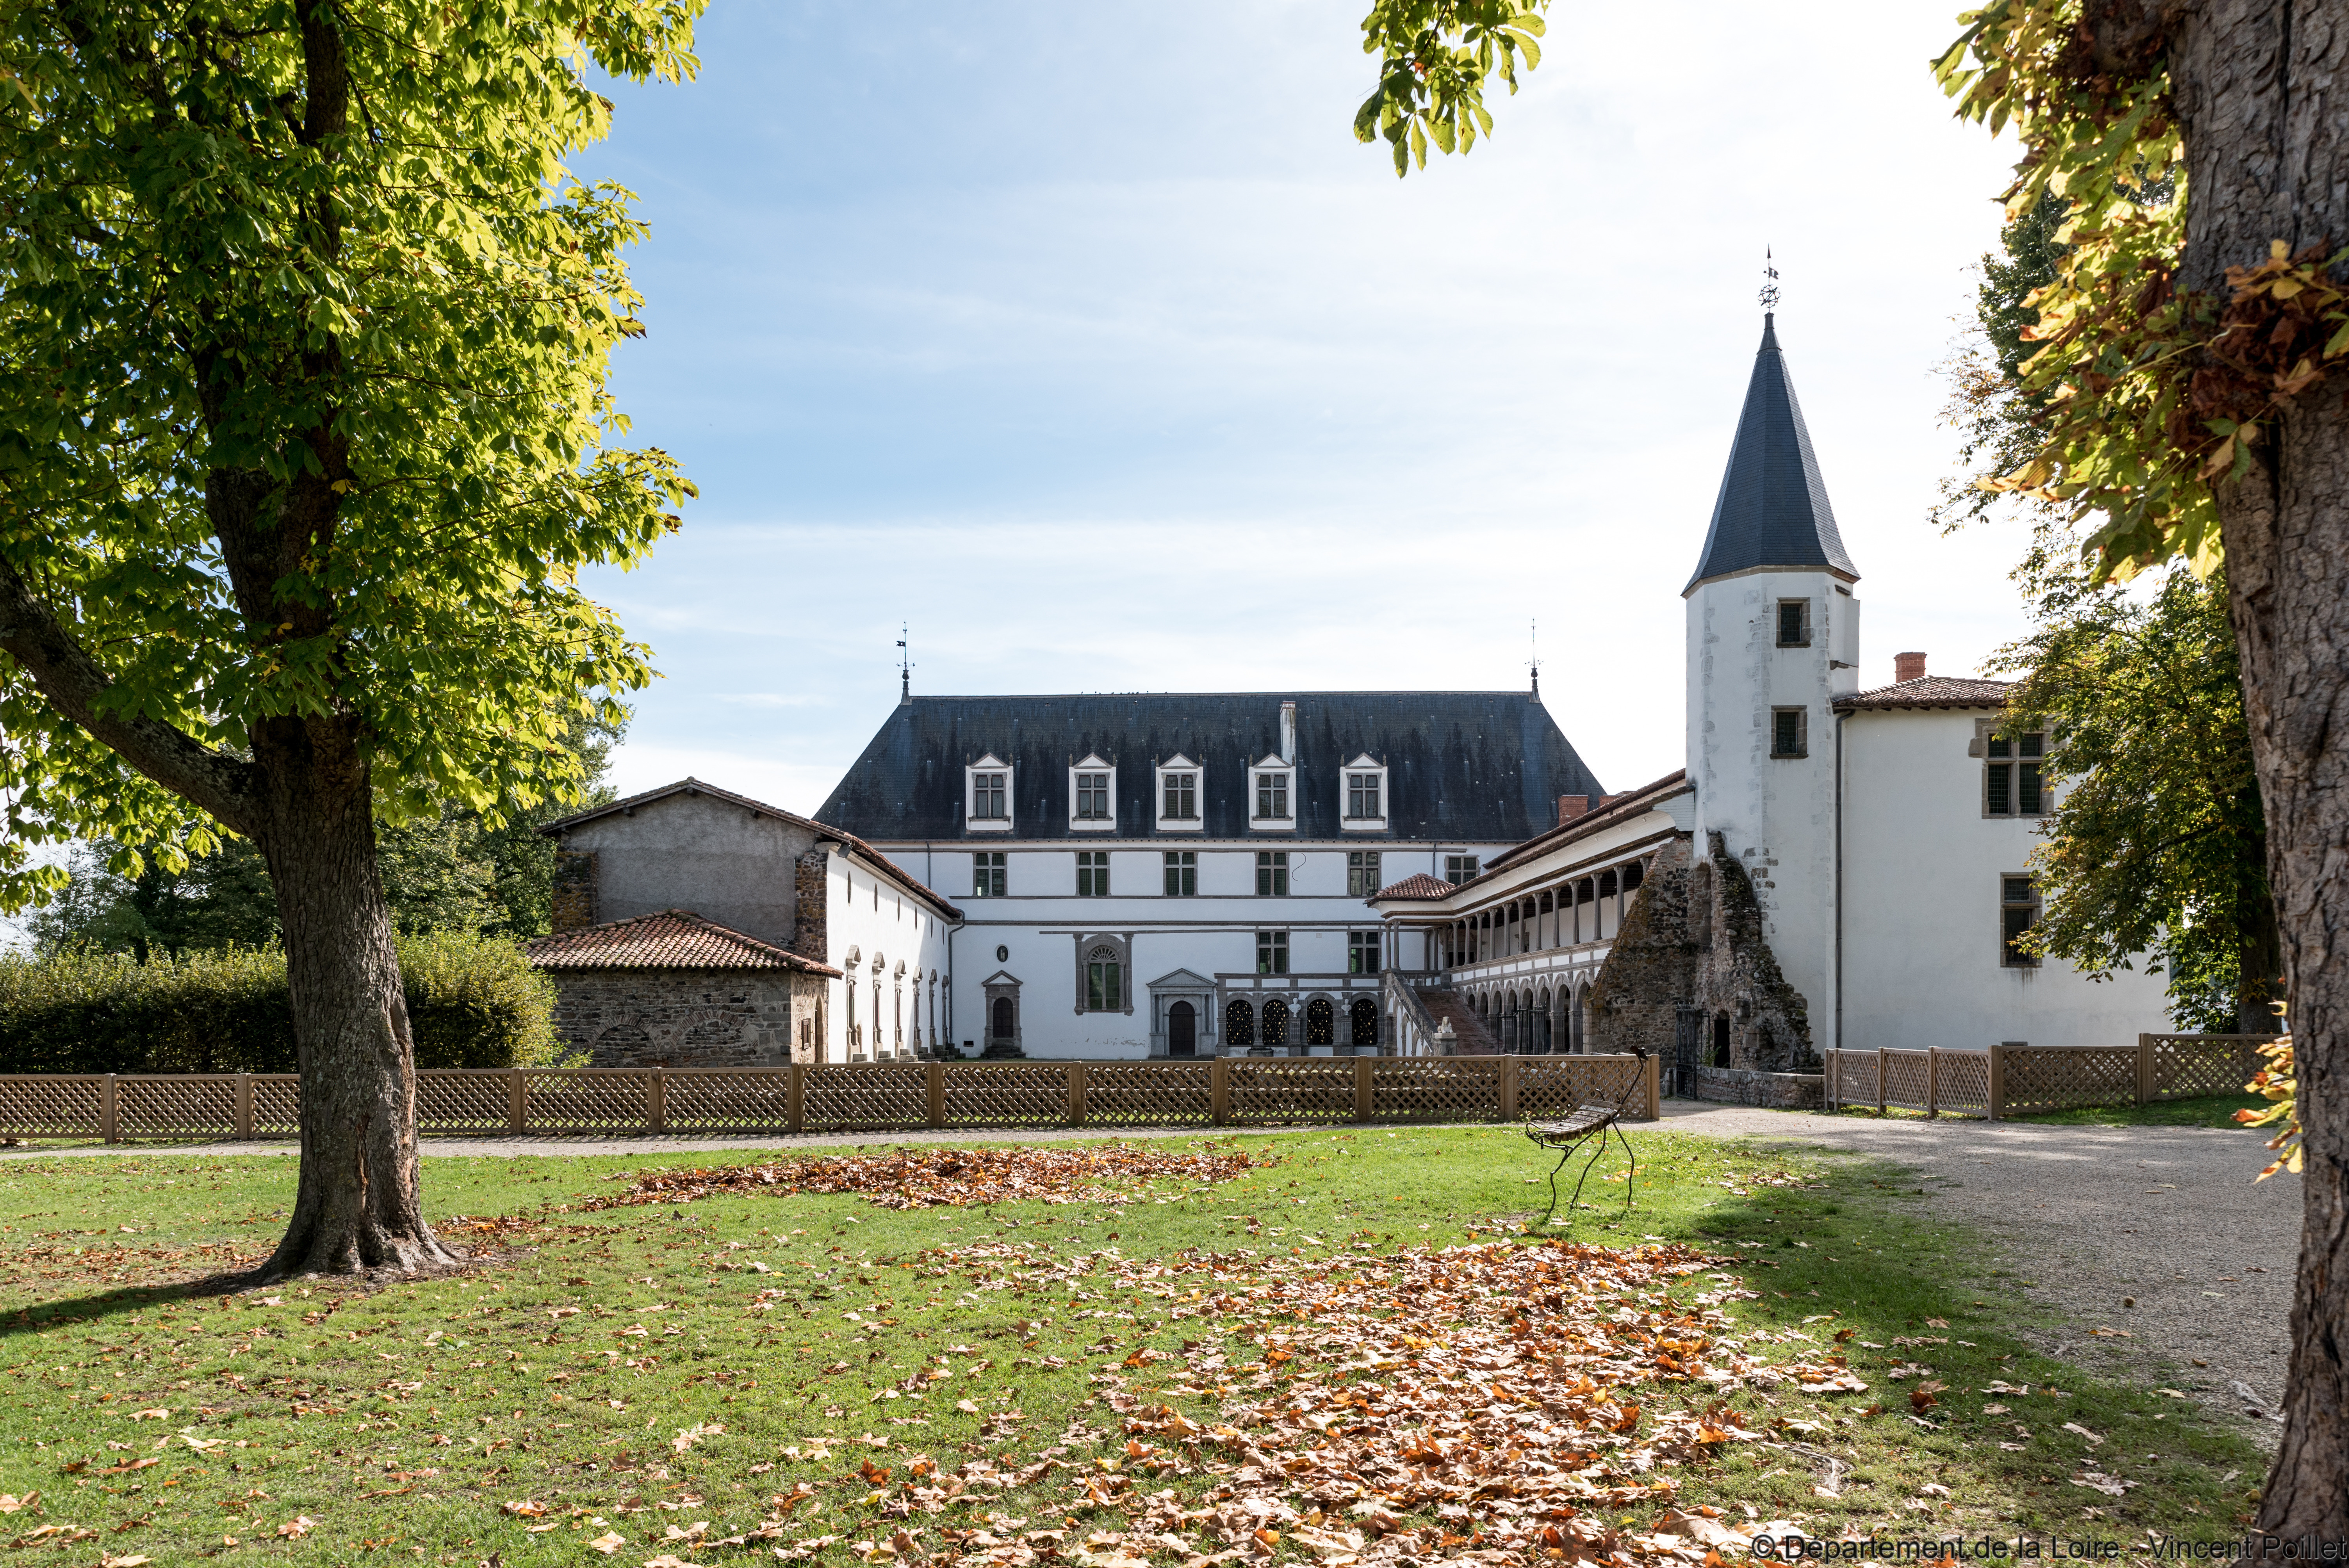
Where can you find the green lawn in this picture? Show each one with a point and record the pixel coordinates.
(2216, 1110)
(914, 1383)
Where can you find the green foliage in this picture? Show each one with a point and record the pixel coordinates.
(472, 1002)
(2148, 392)
(263, 265)
(1435, 56)
(2158, 843)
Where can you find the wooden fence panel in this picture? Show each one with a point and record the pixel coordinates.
(1269, 1091)
(1150, 1094)
(451, 1102)
(867, 1096)
(277, 1105)
(1908, 1079)
(2190, 1066)
(51, 1105)
(1432, 1088)
(726, 1099)
(1962, 1083)
(1007, 1094)
(586, 1099)
(2060, 1078)
(181, 1106)
(1558, 1086)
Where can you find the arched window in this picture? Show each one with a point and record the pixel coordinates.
(1364, 1017)
(1104, 981)
(1276, 1023)
(1320, 1021)
(1239, 1025)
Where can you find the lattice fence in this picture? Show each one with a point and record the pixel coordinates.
(1908, 1079)
(726, 1099)
(186, 1105)
(859, 1096)
(455, 1102)
(1441, 1088)
(1852, 1077)
(48, 1105)
(1553, 1087)
(1267, 1092)
(2059, 1078)
(1008, 1094)
(1960, 1083)
(277, 1104)
(2188, 1066)
(874, 1097)
(586, 1099)
(1150, 1094)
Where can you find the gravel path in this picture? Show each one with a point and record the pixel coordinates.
(2096, 1216)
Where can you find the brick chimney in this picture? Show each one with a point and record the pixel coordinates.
(1569, 807)
(1907, 667)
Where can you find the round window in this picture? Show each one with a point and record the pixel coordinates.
(1003, 956)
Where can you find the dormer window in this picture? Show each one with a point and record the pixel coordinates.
(1092, 797)
(1178, 796)
(1270, 784)
(987, 799)
(1363, 788)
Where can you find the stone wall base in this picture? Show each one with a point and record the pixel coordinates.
(1778, 1091)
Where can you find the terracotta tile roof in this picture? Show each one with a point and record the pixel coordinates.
(673, 939)
(1928, 691)
(1418, 885)
(1618, 808)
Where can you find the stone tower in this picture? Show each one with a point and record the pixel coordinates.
(1773, 639)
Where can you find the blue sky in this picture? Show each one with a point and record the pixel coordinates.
(1087, 340)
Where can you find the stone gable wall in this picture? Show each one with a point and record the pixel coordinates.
(688, 1018)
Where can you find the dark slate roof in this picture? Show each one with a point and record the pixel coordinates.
(672, 939)
(1927, 691)
(1773, 507)
(1476, 766)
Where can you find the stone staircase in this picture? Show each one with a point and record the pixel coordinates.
(1475, 1039)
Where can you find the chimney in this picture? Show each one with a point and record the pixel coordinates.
(1289, 732)
(1569, 807)
(1907, 667)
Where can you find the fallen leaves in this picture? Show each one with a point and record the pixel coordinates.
(608, 1542)
(694, 1434)
(948, 1177)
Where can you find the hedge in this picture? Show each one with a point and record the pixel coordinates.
(472, 1002)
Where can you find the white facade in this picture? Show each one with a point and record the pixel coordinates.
(1773, 804)
(1926, 869)
(890, 943)
(1037, 944)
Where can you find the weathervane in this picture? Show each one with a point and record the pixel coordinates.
(1533, 653)
(904, 667)
(1769, 282)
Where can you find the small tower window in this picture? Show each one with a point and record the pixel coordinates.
(2018, 912)
(1790, 732)
(1793, 623)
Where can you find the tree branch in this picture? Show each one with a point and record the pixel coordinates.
(74, 682)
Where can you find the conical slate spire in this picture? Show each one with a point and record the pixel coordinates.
(1773, 510)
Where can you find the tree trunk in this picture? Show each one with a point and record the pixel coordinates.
(2259, 948)
(357, 1207)
(2262, 95)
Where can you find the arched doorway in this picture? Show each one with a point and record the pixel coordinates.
(1240, 1026)
(1365, 1019)
(1276, 1025)
(1004, 1025)
(1182, 1030)
(1320, 1021)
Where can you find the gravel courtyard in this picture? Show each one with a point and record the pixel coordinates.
(2091, 1218)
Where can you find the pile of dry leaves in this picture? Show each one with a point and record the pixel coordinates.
(952, 1178)
(1488, 1403)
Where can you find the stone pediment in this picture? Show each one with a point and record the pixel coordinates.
(1001, 977)
(1181, 980)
